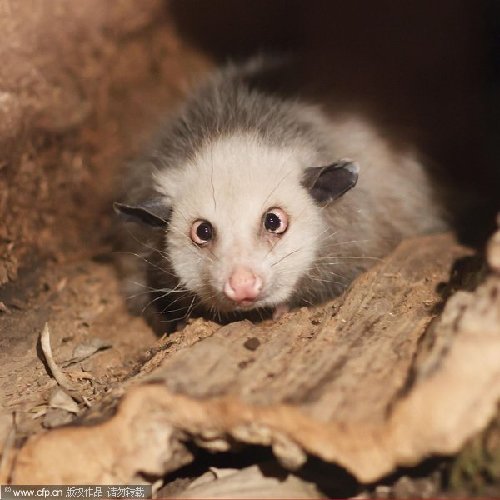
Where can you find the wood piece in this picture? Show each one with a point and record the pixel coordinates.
(56, 372)
(345, 382)
(252, 482)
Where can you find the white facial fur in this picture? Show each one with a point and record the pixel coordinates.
(231, 183)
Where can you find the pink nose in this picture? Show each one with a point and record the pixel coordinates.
(243, 285)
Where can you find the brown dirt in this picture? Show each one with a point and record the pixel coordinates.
(77, 101)
(66, 132)
(82, 99)
(370, 381)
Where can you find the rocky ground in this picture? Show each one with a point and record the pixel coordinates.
(389, 391)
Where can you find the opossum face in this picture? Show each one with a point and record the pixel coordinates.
(244, 228)
(246, 222)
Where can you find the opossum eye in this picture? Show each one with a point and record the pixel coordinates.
(201, 232)
(275, 221)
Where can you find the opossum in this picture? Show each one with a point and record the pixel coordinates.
(258, 202)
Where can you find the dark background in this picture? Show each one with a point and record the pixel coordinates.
(427, 71)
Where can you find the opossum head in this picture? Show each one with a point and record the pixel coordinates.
(245, 219)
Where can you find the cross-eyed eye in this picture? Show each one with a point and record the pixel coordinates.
(202, 232)
(275, 221)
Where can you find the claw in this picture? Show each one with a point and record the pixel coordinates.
(280, 311)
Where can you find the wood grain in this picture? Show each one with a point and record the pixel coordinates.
(369, 381)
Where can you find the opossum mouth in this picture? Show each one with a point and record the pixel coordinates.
(246, 304)
(226, 305)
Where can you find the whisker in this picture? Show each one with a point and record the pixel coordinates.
(349, 242)
(212, 178)
(151, 302)
(287, 255)
(191, 307)
(163, 270)
(167, 292)
(152, 289)
(149, 247)
(334, 259)
(263, 207)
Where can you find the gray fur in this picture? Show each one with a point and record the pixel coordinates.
(393, 198)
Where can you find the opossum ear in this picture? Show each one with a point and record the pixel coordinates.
(154, 213)
(329, 183)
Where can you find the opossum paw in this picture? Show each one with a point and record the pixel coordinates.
(280, 311)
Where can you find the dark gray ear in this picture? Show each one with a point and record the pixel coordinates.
(154, 213)
(326, 184)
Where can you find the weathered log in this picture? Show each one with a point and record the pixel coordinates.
(74, 81)
(346, 382)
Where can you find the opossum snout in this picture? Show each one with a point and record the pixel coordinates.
(243, 286)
